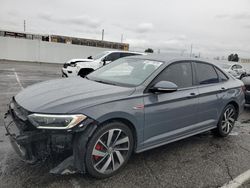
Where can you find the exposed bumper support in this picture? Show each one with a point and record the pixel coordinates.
(29, 145)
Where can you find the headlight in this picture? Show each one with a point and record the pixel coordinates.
(48, 121)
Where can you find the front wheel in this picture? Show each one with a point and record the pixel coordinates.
(109, 149)
(242, 76)
(227, 121)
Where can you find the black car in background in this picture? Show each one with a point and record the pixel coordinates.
(246, 81)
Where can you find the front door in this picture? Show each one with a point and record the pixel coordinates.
(171, 115)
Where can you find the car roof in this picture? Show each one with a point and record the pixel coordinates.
(73, 60)
(166, 58)
(139, 53)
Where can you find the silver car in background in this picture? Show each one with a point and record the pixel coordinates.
(234, 69)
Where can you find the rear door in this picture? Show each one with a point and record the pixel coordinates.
(210, 90)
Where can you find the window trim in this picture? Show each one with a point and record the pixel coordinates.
(220, 80)
(146, 90)
(196, 75)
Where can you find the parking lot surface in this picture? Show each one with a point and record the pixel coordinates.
(199, 161)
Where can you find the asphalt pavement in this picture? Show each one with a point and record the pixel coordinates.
(200, 161)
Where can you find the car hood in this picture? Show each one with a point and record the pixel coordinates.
(79, 60)
(68, 95)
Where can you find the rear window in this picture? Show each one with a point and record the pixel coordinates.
(206, 74)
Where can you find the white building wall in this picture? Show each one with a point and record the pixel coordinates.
(40, 51)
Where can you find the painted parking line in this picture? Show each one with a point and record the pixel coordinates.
(238, 181)
(17, 79)
(12, 69)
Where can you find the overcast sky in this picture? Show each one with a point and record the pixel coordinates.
(213, 27)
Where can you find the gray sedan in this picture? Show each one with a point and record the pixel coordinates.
(131, 105)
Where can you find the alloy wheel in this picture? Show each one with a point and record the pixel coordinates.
(228, 120)
(110, 151)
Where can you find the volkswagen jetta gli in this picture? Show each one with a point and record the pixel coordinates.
(131, 105)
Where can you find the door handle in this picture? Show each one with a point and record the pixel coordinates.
(222, 89)
(192, 95)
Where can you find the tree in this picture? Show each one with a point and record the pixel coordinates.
(233, 57)
(236, 58)
(149, 50)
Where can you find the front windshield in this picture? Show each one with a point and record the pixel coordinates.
(98, 56)
(127, 72)
(224, 66)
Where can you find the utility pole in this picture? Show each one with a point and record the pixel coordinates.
(191, 50)
(102, 34)
(24, 25)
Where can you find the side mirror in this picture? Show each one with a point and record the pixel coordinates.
(164, 87)
(104, 61)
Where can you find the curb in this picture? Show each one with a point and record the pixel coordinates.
(238, 181)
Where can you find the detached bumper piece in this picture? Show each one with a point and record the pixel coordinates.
(64, 75)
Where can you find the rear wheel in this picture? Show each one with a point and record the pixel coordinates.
(109, 149)
(227, 121)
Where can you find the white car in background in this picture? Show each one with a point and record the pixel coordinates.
(82, 67)
(69, 68)
(234, 69)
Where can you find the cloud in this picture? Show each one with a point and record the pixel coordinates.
(141, 43)
(247, 26)
(222, 16)
(45, 16)
(82, 20)
(239, 16)
(144, 27)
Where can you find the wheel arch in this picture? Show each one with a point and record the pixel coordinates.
(87, 69)
(127, 123)
(236, 106)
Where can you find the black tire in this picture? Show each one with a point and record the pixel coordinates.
(111, 153)
(242, 76)
(84, 72)
(223, 128)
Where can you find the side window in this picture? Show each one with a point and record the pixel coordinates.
(238, 66)
(221, 75)
(206, 74)
(178, 73)
(113, 56)
(127, 54)
(234, 67)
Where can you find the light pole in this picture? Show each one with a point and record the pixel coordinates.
(24, 25)
(102, 34)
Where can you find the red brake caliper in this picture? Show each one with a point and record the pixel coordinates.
(100, 148)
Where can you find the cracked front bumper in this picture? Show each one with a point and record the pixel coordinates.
(34, 145)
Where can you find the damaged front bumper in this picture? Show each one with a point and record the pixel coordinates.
(33, 145)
